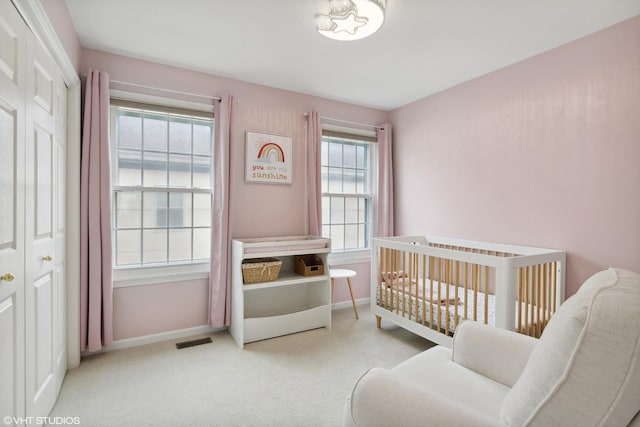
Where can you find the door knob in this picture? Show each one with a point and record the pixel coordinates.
(47, 258)
(8, 277)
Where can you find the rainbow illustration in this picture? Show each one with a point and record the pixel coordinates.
(271, 151)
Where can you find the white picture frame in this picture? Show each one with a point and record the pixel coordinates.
(268, 158)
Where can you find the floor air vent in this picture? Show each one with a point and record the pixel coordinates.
(192, 343)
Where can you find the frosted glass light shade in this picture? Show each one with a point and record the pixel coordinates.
(351, 19)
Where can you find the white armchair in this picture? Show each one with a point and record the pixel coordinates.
(583, 371)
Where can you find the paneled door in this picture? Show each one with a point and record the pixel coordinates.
(60, 294)
(42, 284)
(12, 214)
(32, 222)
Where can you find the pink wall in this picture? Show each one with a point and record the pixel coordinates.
(545, 153)
(259, 209)
(361, 283)
(61, 20)
(153, 309)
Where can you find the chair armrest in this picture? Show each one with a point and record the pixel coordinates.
(383, 398)
(493, 352)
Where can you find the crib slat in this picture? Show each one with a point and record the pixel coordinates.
(545, 296)
(424, 284)
(457, 283)
(533, 301)
(390, 283)
(404, 282)
(447, 280)
(440, 260)
(555, 283)
(431, 274)
(519, 304)
(465, 276)
(540, 299)
(476, 279)
(486, 294)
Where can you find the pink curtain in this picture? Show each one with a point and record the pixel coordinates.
(384, 225)
(96, 284)
(314, 189)
(220, 274)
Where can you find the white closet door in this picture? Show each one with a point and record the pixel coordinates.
(12, 222)
(60, 295)
(41, 224)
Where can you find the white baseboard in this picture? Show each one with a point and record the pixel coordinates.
(183, 333)
(154, 338)
(347, 303)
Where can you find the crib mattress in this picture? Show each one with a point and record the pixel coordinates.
(418, 308)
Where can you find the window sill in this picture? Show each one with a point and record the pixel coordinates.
(140, 276)
(351, 257)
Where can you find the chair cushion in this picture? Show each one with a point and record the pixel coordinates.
(434, 369)
(584, 370)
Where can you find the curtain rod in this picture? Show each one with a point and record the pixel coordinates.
(178, 92)
(347, 122)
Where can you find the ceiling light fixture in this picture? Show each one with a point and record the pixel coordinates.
(351, 19)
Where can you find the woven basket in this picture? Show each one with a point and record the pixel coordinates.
(260, 270)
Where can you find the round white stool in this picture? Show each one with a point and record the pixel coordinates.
(342, 273)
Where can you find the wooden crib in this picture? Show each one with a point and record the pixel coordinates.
(428, 285)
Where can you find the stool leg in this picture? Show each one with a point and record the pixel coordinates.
(332, 281)
(353, 301)
(378, 321)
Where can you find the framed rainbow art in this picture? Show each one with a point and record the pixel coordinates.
(268, 158)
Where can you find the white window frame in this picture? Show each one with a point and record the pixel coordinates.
(137, 275)
(355, 256)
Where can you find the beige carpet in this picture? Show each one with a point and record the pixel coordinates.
(296, 380)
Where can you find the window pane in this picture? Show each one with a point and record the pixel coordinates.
(179, 171)
(349, 156)
(360, 155)
(129, 132)
(155, 209)
(326, 232)
(324, 153)
(201, 210)
(335, 180)
(324, 179)
(361, 182)
(335, 154)
(155, 134)
(202, 140)
(351, 237)
(337, 210)
(326, 213)
(201, 243)
(128, 247)
(179, 210)
(129, 209)
(345, 171)
(201, 172)
(129, 165)
(351, 210)
(180, 245)
(169, 153)
(349, 180)
(180, 137)
(337, 237)
(155, 170)
(154, 243)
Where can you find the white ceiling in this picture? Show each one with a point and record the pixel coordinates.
(424, 46)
